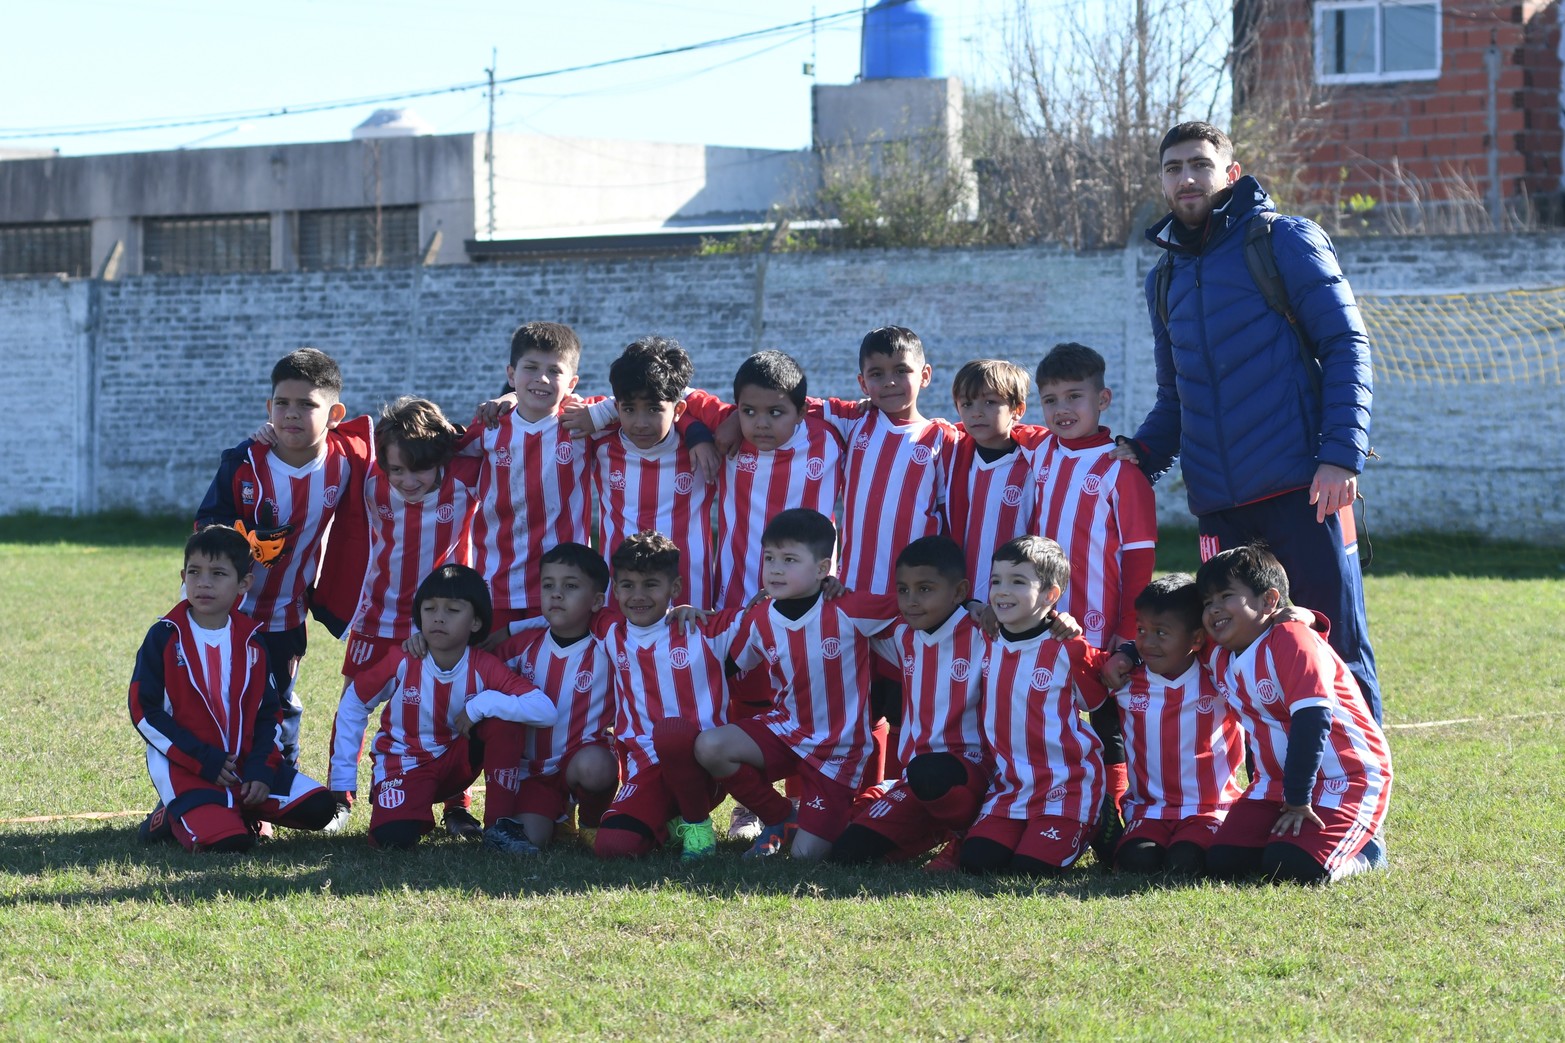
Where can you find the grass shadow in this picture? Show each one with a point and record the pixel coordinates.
(1418, 554)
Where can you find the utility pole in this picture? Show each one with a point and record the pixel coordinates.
(489, 138)
(1141, 67)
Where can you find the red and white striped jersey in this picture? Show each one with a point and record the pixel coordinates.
(408, 541)
(990, 502)
(894, 488)
(304, 498)
(662, 671)
(657, 488)
(819, 668)
(1183, 743)
(805, 471)
(1095, 508)
(1291, 668)
(577, 678)
(533, 491)
(942, 686)
(422, 704)
(1047, 760)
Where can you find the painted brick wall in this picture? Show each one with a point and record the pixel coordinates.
(182, 362)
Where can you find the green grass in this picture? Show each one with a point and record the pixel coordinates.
(317, 937)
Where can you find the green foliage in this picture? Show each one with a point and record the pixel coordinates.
(320, 937)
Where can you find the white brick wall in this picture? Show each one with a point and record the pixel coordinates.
(182, 362)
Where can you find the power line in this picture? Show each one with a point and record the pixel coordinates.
(168, 123)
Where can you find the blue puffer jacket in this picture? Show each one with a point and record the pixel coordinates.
(1234, 400)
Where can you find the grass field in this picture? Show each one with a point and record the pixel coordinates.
(317, 937)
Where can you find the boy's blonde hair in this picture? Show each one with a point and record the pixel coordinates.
(1006, 379)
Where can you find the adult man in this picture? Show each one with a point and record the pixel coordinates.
(1272, 432)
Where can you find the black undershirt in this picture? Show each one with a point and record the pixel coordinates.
(795, 608)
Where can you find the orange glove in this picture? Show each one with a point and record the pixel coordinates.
(266, 545)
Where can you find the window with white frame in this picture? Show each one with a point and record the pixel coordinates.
(1377, 41)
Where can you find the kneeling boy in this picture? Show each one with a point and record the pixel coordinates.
(203, 698)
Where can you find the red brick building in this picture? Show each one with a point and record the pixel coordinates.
(1398, 95)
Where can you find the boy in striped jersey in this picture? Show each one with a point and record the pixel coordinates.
(449, 715)
(283, 496)
(1321, 785)
(940, 652)
(1048, 779)
(1183, 743)
(203, 700)
(563, 658)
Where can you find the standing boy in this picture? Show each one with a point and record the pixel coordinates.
(283, 497)
(1321, 784)
(203, 700)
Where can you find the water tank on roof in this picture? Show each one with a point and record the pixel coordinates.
(901, 41)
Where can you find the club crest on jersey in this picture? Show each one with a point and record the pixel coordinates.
(617, 481)
(247, 493)
(679, 658)
(960, 668)
(385, 511)
(921, 455)
(1054, 796)
(1042, 678)
(411, 696)
(1267, 690)
(880, 809)
(329, 498)
(445, 514)
(1336, 787)
(1093, 620)
(747, 463)
(861, 443)
(564, 452)
(509, 779)
(684, 481)
(391, 794)
(1139, 703)
(1092, 485)
(1011, 495)
(838, 759)
(973, 757)
(831, 648)
(502, 458)
(626, 791)
(1205, 704)
(814, 468)
(583, 681)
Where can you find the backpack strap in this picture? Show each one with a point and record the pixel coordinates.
(1261, 258)
(1164, 276)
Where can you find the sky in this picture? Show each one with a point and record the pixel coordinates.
(109, 63)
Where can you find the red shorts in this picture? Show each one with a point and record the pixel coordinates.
(1346, 831)
(407, 797)
(646, 798)
(363, 650)
(1166, 832)
(906, 821)
(825, 805)
(549, 795)
(750, 694)
(207, 824)
(1051, 839)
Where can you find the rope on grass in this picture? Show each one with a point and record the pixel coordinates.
(1473, 720)
(86, 815)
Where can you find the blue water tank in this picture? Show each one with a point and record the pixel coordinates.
(901, 41)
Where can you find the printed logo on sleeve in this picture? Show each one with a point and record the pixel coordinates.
(247, 493)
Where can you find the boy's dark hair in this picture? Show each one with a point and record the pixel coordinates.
(1175, 595)
(647, 551)
(1006, 379)
(1045, 556)
(581, 558)
(1196, 130)
(891, 340)
(1251, 565)
(802, 525)
(311, 365)
(221, 541)
(941, 553)
(654, 367)
(551, 338)
(773, 371)
(1069, 362)
(457, 583)
(418, 428)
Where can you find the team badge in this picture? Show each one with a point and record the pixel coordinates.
(1092, 485)
(617, 481)
(247, 493)
(583, 681)
(329, 497)
(747, 463)
(771, 654)
(880, 809)
(1011, 496)
(626, 792)
(814, 468)
(960, 668)
(861, 443)
(410, 696)
(1267, 690)
(831, 648)
(1139, 703)
(391, 795)
(1204, 704)
(509, 779)
(385, 511)
(908, 662)
(502, 458)
(1093, 620)
(921, 455)
(684, 481)
(1043, 474)
(179, 657)
(1054, 796)
(564, 452)
(1042, 678)
(445, 514)
(1336, 787)
(622, 660)
(679, 658)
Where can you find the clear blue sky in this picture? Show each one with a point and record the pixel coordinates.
(73, 62)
